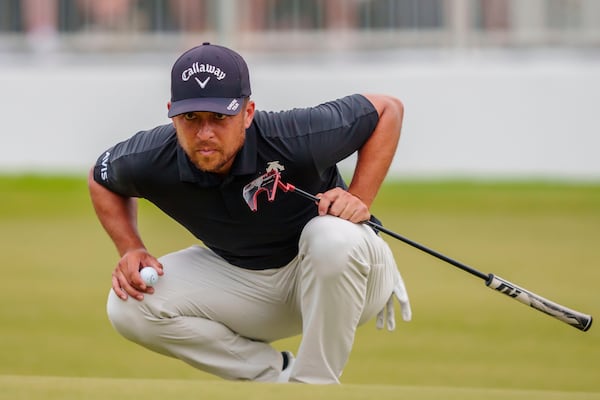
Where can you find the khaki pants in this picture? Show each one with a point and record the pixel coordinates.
(221, 318)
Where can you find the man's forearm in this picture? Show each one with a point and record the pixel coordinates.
(376, 155)
(118, 216)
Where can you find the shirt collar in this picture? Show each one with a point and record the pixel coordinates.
(244, 164)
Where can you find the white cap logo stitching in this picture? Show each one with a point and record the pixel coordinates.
(202, 84)
(198, 68)
(233, 105)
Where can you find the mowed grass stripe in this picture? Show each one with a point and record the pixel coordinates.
(64, 388)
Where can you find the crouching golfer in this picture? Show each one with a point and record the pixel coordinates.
(294, 267)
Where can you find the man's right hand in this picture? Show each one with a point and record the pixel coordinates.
(126, 279)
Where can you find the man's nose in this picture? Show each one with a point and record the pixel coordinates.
(205, 130)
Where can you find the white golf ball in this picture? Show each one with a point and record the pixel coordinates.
(149, 276)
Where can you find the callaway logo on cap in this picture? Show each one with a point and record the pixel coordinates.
(209, 78)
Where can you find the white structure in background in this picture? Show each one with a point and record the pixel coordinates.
(499, 88)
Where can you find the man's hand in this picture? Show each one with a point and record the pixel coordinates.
(340, 203)
(126, 279)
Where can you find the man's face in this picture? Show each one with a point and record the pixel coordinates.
(212, 140)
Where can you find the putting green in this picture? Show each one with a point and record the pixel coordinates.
(61, 388)
(465, 340)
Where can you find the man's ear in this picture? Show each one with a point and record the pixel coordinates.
(250, 107)
(168, 105)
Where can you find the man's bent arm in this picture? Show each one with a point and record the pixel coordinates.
(117, 214)
(377, 153)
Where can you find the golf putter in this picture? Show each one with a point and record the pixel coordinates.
(271, 181)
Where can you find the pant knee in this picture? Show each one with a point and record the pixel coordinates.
(126, 318)
(331, 245)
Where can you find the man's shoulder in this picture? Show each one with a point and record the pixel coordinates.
(318, 117)
(129, 165)
(152, 140)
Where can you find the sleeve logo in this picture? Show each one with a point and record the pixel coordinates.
(104, 166)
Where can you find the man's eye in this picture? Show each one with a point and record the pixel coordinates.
(189, 116)
(220, 116)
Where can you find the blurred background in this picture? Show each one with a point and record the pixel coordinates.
(492, 88)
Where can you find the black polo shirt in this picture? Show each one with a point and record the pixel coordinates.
(307, 142)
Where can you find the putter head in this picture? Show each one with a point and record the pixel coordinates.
(265, 183)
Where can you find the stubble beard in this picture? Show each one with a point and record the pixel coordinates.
(224, 160)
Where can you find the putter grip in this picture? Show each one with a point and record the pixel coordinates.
(574, 318)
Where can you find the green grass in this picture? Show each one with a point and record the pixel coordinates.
(61, 388)
(465, 341)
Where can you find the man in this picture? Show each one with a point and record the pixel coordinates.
(294, 267)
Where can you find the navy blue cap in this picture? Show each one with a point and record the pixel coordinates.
(209, 78)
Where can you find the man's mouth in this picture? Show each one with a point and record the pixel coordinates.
(206, 151)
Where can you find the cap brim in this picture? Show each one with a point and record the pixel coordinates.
(219, 105)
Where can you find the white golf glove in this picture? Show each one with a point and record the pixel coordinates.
(386, 315)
